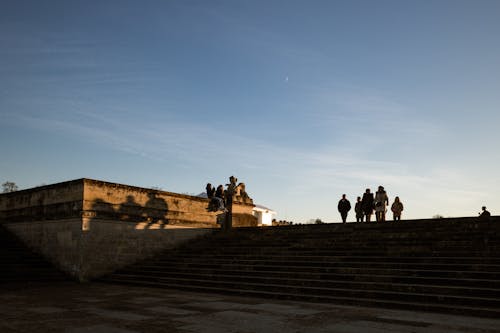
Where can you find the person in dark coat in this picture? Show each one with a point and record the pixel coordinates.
(344, 207)
(358, 209)
(367, 204)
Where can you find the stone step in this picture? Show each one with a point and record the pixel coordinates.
(438, 265)
(336, 251)
(262, 235)
(293, 281)
(285, 256)
(492, 245)
(482, 311)
(338, 270)
(455, 245)
(313, 291)
(328, 264)
(362, 244)
(306, 275)
(363, 240)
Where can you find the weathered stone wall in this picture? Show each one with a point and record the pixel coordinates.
(51, 202)
(59, 241)
(109, 245)
(89, 228)
(146, 207)
(48, 220)
(242, 215)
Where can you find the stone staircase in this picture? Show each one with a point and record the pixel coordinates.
(446, 265)
(20, 266)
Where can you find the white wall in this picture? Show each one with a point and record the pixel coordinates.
(265, 217)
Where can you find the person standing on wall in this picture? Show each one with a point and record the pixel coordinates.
(344, 207)
(381, 201)
(367, 204)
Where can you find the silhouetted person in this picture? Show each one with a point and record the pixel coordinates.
(218, 199)
(231, 190)
(485, 215)
(210, 191)
(230, 195)
(358, 209)
(367, 204)
(344, 207)
(219, 192)
(397, 208)
(381, 201)
(213, 204)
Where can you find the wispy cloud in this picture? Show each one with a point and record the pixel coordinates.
(338, 104)
(318, 174)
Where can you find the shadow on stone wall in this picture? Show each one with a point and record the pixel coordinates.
(151, 215)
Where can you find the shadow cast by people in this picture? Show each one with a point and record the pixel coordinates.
(153, 215)
(156, 210)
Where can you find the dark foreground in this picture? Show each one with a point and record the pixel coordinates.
(107, 308)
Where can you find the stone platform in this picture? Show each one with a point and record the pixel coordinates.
(88, 227)
(105, 308)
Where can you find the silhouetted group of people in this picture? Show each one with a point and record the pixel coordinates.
(222, 200)
(216, 198)
(365, 206)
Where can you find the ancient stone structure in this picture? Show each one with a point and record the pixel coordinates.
(88, 228)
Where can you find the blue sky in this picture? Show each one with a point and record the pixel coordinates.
(301, 100)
